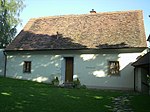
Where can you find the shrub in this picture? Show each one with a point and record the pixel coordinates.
(76, 83)
(55, 81)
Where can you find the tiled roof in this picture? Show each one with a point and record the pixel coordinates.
(93, 31)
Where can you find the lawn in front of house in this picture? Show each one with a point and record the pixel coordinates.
(28, 96)
(140, 102)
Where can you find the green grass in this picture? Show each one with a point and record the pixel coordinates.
(141, 103)
(28, 96)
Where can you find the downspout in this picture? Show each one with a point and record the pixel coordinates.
(134, 79)
(5, 63)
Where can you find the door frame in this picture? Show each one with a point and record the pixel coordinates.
(67, 59)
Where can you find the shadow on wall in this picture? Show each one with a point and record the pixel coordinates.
(31, 41)
(96, 64)
(95, 68)
(44, 67)
(93, 64)
(50, 65)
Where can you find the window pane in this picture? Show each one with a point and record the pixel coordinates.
(113, 67)
(27, 66)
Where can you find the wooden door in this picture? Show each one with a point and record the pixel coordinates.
(69, 69)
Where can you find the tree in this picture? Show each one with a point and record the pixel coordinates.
(9, 19)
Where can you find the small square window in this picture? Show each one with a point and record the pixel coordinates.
(27, 67)
(114, 68)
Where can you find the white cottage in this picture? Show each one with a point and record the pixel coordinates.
(96, 48)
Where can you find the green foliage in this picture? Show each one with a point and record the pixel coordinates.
(148, 77)
(76, 83)
(9, 19)
(55, 81)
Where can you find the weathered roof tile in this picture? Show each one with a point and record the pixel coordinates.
(99, 30)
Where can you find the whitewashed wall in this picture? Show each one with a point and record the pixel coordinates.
(44, 67)
(91, 69)
(2, 62)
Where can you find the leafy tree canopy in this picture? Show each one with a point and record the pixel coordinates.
(9, 19)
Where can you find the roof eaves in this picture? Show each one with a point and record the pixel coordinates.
(148, 39)
(124, 48)
(144, 60)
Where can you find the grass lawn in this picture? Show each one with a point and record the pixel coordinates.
(27, 96)
(141, 103)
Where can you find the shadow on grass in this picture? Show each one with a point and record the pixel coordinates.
(17, 95)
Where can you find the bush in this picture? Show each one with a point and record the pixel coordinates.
(76, 83)
(55, 81)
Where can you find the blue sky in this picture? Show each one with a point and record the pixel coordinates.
(40, 8)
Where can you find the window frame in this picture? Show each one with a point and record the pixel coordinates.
(115, 69)
(27, 67)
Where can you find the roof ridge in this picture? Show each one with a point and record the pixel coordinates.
(29, 24)
(70, 15)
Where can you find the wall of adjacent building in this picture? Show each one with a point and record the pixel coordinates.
(91, 69)
(141, 80)
(138, 80)
(2, 62)
(144, 81)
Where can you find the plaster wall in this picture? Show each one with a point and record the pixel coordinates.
(91, 69)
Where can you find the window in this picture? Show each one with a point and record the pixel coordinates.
(27, 67)
(113, 67)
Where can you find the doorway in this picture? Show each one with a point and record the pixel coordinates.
(69, 69)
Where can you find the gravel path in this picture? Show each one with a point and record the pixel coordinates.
(121, 104)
